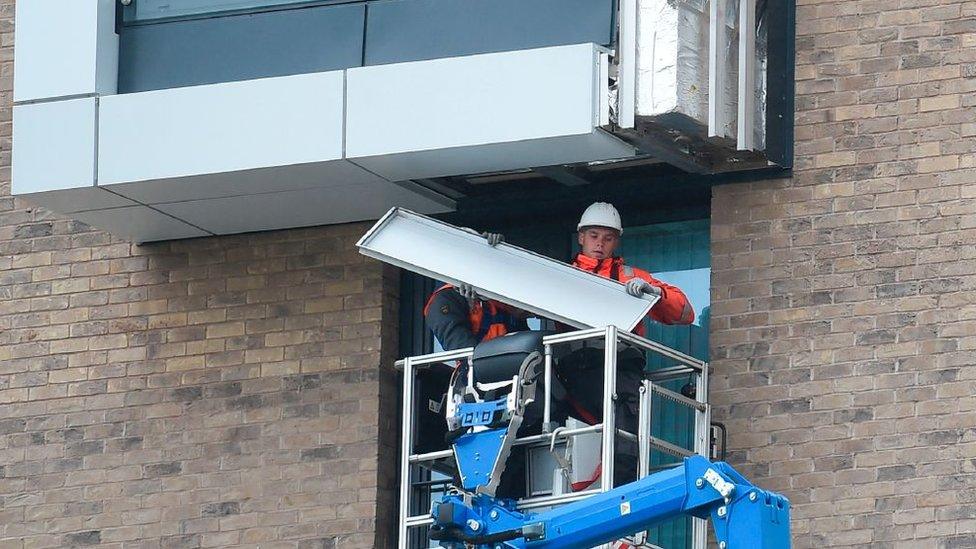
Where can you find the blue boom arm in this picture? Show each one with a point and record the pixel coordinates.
(743, 516)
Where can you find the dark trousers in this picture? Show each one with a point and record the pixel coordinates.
(577, 391)
(581, 373)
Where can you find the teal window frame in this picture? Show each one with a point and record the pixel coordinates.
(678, 253)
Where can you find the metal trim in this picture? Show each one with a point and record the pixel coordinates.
(747, 76)
(716, 68)
(678, 398)
(406, 447)
(627, 64)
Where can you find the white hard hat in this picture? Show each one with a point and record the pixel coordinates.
(601, 214)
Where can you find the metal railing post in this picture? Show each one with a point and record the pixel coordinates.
(644, 430)
(547, 393)
(406, 448)
(702, 430)
(609, 396)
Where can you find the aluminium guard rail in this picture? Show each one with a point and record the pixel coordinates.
(611, 336)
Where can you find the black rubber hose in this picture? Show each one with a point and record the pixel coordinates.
(453, 533)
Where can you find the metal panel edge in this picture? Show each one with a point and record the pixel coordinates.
(387, 219)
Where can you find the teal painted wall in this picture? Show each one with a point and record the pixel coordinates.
(677, 253)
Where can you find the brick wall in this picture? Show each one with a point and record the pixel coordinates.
(229, 391)
(206, 393)
(844, 298)
(218, 392)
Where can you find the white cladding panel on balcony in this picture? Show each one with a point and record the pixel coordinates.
(258, 181)
(65, 48)
(139, 223)
(221, 128)
(551, 151)
(510, 274)
(477, 113)
(54, 145)
(260, 212)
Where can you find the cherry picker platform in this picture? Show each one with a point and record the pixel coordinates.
(485, 429)
(494, 384)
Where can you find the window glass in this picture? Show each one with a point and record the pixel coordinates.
(679, 254)
(151, 10)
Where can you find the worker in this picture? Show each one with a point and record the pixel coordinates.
(581, 372)
(454, 318)
(460, 318)
(598, 234)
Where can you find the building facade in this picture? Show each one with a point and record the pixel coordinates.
(239, 390)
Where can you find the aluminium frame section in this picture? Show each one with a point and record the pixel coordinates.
(626, 57)
(646, 441)
(746, 139)
(716, 69)
(702, 433)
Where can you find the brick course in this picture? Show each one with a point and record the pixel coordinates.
(844, 298)
(206, 393)
(218, 392)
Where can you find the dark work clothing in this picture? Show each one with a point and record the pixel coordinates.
(458, 325)
(581, 373)
(577, 390)
(451, 319)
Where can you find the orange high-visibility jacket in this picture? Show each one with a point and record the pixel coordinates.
(672, 308)
(487, 319)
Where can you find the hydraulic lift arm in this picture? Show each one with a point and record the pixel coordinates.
(743, 516)
(470, 515)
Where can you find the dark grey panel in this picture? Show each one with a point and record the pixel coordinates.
(411, 30)
(240, 47)
(780, 81)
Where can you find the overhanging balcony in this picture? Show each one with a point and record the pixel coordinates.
(150, 142)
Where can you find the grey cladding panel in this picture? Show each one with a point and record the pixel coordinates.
(412, 30)
(240, 47)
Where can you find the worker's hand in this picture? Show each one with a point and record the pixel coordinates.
(468, 292)
(638, 286)
(493, 239)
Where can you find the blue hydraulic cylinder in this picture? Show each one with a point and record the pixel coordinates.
(615, 514)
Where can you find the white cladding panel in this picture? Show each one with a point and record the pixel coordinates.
(139, 223)
(596, 145)
(221, 128)
(473, 100)
(262, 180)
(301, 208)
(81, 199)
(54, 145)
(65, 48)
(507, 273)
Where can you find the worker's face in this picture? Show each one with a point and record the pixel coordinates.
(598, 242)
